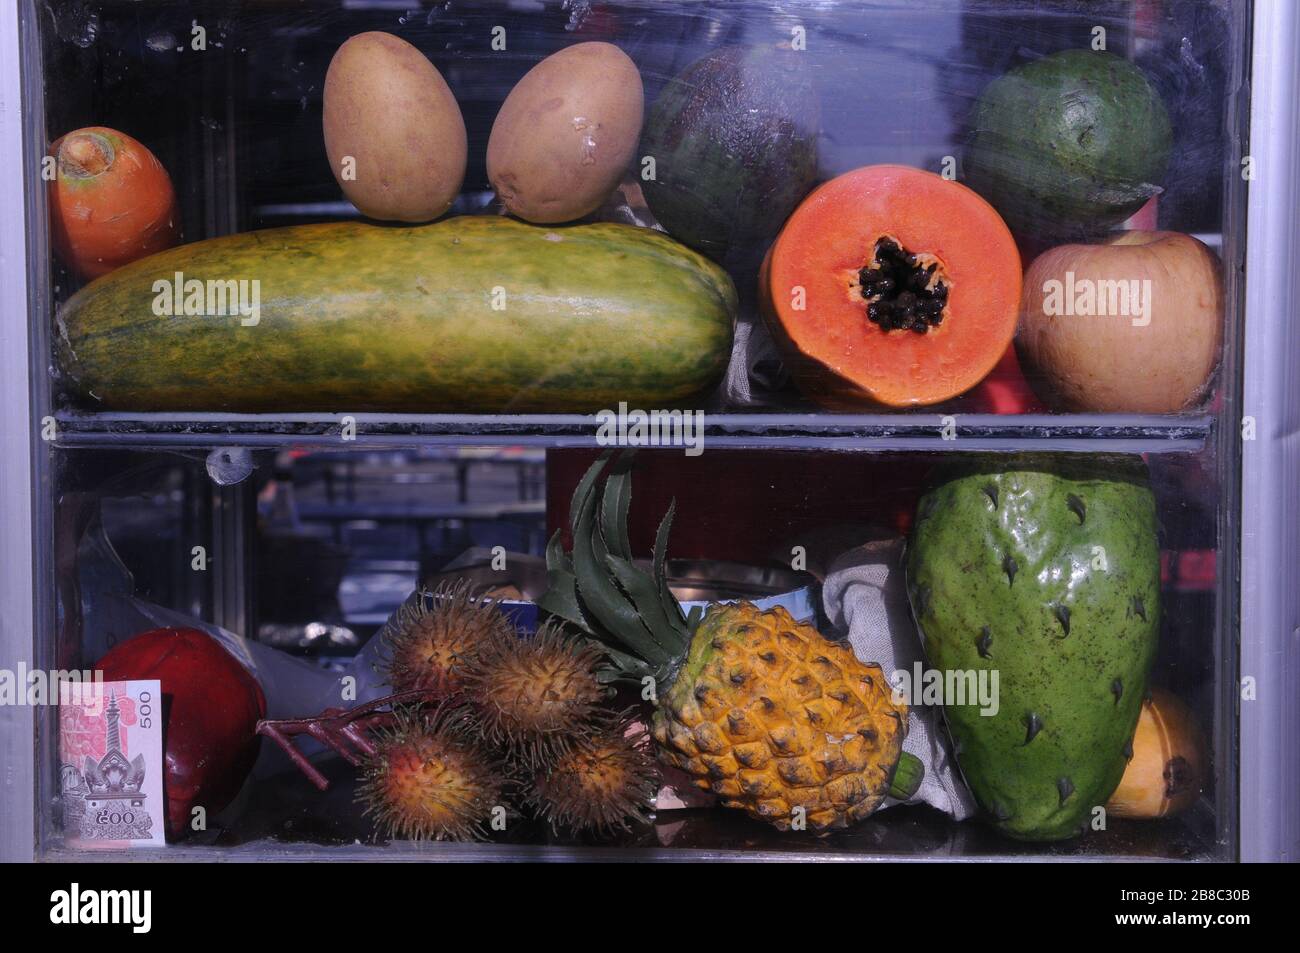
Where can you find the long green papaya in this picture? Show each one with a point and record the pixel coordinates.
(469, 315)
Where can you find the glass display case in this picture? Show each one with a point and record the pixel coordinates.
(575, 430)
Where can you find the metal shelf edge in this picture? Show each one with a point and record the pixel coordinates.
(959, 433)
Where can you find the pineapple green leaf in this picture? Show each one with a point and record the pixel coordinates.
(671, 607)
(561, 599)
(641, 589)
(615, 499)
(625, 668)
(561, 595)
(608, 535)
(557, 560)
(586, 486)
(600, 595)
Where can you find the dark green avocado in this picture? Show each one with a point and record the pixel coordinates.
(1068, 145)
(734, 139)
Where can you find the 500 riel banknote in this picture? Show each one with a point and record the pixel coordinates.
(110, 763)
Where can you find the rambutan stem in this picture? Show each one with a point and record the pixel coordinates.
(345, 730)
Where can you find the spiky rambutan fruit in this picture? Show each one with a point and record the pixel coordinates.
(604, 783)
(428, 643)
(533, 696)
(429, 779)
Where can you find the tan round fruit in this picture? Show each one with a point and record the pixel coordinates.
(566, 133)
(394, 134)
(1131, 325)
(1164, 775)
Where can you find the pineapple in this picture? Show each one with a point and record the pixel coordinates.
(767, 713)
(771, 716)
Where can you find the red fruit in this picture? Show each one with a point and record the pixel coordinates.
(111, 203)
(211, 706)
(1004, 391)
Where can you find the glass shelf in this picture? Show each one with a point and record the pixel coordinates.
(303, 823)
(879, 432)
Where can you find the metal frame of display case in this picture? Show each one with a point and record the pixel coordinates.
(1258, 810)
(19, 570)
(1269, 746)
(1112, 433)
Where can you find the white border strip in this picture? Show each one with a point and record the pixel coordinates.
(1270, 489)
(17, 611)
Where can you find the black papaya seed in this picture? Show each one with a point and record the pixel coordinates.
(898, 292)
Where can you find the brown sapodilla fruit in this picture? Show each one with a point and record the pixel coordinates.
(394, 133)
(566, 133)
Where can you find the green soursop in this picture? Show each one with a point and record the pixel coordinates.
(1046, 570)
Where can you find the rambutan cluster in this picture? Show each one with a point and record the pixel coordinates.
(524, 721)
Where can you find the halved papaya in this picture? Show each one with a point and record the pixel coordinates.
(891, 285)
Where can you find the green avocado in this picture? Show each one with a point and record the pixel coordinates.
(1069, 144)
(1043, 571)
(734, 139)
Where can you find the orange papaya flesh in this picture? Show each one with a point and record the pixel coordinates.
(823, 274)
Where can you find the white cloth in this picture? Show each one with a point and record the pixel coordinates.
(864, 593)
(754, 375)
